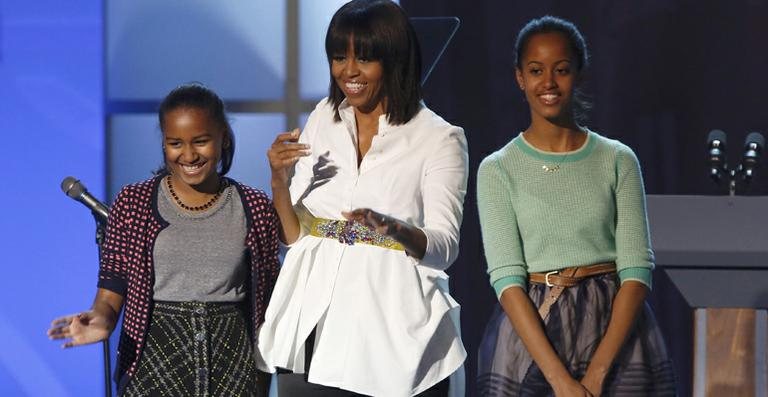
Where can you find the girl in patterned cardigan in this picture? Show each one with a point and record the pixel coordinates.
(191, 256)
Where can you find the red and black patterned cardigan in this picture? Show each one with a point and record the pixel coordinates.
(126, 260)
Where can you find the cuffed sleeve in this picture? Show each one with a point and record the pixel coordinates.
(498, 223)
(640, 274)
(444, 187)
(633, 245)
(505, 283)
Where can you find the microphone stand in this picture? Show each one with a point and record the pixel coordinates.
(732, 184)
(100, 232)
(741, 172)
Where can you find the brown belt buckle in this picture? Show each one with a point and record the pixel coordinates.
(546, 277)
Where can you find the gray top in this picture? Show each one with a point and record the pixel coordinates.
(200, 256)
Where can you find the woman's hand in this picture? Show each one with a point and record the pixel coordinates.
(378, 222)
(83, 328)
(283, 154)
(412, 238)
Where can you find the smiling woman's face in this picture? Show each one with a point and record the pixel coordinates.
(360, 79)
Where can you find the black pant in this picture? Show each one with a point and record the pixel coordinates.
(296, 385)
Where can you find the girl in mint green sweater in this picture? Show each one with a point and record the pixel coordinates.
(562, 211)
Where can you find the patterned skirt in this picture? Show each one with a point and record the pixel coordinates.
(575, 326)
(195, 349)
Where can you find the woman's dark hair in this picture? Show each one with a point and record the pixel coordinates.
(198, 96)
(550, 24)
(381, 32)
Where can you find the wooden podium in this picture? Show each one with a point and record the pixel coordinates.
(715, 251)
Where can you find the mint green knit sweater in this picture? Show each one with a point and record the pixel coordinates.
(591, 210)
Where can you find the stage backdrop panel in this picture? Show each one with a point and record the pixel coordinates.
(237, 47)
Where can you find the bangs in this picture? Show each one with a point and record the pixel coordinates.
(379, 31)
(365, 41)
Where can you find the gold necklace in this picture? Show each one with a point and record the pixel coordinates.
(199, 207)
(554, 168)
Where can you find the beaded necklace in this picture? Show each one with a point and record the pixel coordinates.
(203, 207)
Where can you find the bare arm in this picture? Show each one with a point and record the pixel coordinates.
(283, 155)
(90, 326)
(527, 323)
(109, 304)
(289, 228)
(626, 306)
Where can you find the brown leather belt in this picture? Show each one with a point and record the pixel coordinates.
(559, 280)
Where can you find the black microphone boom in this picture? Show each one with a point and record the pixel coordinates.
(76, 190)
(753, 147)
(716, 154)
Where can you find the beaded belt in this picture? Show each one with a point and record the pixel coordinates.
(351, 232)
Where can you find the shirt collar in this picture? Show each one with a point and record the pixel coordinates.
(347, 114)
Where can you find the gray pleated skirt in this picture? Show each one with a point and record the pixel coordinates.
(575, 326)
(195, 349)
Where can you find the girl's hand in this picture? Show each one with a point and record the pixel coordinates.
(82, 328)
(593, 382)
(284, 153)
(570, 388)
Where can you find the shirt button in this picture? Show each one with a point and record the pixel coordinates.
(200, 336)
(200, 310)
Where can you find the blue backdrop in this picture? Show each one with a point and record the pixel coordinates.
(51, 118)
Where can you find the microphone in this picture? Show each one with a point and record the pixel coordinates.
(716, 154)
(76, 190)
(753, 147)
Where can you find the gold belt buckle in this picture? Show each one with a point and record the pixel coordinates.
(546, 277)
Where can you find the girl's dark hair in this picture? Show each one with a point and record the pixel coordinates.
(198, 96)
(381, 32)
(550, 24)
